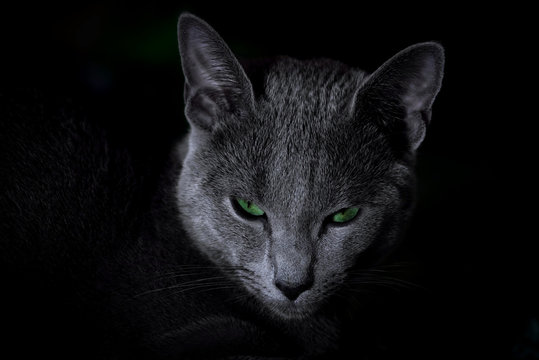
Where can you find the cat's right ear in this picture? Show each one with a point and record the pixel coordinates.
(215, 82)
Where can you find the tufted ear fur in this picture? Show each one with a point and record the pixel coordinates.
(215, 82)
(405, 87)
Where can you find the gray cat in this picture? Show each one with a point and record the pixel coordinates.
(285, 187)
(258, 239)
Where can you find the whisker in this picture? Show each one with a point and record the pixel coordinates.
(376, 282)
(238, 298)
(194, 268)
(216, 288)
(179, 285)
(390, 279)
(208, 287)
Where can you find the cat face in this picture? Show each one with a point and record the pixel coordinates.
(287, 187)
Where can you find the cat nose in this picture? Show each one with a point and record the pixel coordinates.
(293, 291)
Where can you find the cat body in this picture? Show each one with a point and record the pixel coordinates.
(165, 262)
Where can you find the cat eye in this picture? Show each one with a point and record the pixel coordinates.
(344, 215)
(248, 208)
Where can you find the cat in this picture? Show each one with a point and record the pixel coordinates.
(293, 185)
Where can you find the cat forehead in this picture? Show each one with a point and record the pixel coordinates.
(320, 85)
(302, 126)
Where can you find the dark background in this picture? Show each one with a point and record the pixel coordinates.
(474, 225)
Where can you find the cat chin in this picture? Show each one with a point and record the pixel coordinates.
(287, 310)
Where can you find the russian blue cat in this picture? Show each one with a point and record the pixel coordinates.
(289, 185)
(257, 239)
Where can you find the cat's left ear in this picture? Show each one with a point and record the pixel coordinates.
(404, 88)
(215, 82)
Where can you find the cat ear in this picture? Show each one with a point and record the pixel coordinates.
(404, 89)
(215, 82)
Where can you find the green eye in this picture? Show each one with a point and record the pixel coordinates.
(345, 215)
(250, 208)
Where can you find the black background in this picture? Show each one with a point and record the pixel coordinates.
(474, 228)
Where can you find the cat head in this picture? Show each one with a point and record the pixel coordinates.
(289, 185)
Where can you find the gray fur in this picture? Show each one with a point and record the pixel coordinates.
(320, 137)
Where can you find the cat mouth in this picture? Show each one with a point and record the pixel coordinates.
(292, 310)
